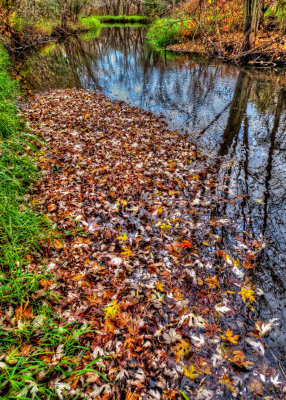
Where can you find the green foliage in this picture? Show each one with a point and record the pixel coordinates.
(164, 32)
(91, 23)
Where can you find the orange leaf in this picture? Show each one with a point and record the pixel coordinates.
(185, 244)
(228, 335)
(248, 265)
(58, 245)
(160, 286)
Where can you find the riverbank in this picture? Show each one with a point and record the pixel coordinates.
(184, 36)
(29, 35)
(141, 258)
(36, 344)
(268, 52)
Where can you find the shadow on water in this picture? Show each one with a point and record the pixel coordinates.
(229, 112)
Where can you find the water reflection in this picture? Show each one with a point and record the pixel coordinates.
(231, 113)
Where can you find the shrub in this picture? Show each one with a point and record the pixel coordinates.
(164, 32)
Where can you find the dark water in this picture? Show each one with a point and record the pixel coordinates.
(229, 112)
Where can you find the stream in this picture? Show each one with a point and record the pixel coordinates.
(229, 112)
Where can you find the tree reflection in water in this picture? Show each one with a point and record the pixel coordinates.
(229, 112)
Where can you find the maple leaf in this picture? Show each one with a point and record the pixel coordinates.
(247, 294)
(191, 372)
(165, 227)
(123, 237)
(160, 286)
(185, 244)
(111, 310)
(239, 357)
(264, 327)
(182, 349)
(127, 252)
(212, 282)
(228, 335)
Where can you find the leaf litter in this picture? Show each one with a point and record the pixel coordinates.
(145, 255)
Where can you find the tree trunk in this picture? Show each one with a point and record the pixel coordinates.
(247, 18)
(252, 10)
(256, 15)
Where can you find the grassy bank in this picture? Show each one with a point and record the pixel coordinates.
(35, 344)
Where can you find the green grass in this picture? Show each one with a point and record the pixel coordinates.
(91, 23)
(30, 332)
(164, 32)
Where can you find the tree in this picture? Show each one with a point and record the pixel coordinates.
(252, 12)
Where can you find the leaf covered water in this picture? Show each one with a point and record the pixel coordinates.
(147, 256)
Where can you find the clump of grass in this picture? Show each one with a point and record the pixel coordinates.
(30, 333)
(164, 32)
(91, 23)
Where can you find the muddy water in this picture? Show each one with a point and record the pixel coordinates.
(229, 112)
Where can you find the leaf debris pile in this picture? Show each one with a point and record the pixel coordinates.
(147, 256)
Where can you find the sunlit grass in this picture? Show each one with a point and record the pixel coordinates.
(91, 23)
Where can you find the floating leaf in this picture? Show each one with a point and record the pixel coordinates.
(191, 372)
(228, 335)
(247, 294)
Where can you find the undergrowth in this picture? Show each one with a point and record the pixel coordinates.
(164, 32)
(35, 345)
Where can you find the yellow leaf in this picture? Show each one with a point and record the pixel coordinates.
(77, 277)
(182, 349)
(247, 294)
(123, 237)
(191, 372)
(127, 252)
(160, 286)
(165, 227)
(111, 310)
